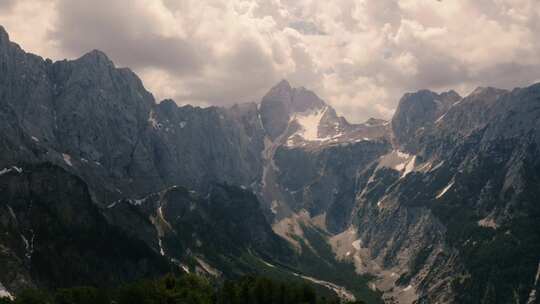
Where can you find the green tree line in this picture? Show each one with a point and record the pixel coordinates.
(187, 289)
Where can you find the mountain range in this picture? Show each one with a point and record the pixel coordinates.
(100, 184)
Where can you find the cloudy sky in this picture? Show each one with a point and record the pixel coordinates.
(359, 55)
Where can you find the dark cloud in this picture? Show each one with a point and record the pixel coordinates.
(133, 36)
(6, 5)
(126, 34)
(306, 28)
(437, 71)
(508, 75)
(242, 75)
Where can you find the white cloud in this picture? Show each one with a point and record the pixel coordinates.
(360, 55)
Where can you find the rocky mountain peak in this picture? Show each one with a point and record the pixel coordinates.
(418, 110)
(6, 44)
(295, 99)
(280, 93)
(485, 94)
(4, 36)
(305, 100)
(451, 95)
(96, 57)
(284, 85)
(281, 102)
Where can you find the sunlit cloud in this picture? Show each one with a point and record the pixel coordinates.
(360, 56)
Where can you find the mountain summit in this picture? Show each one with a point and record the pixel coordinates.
(4, 36)
(281, 102)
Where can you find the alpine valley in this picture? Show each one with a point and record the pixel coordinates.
(102, 185)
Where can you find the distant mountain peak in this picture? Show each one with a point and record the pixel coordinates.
(4, 36)
(283, 84)
(3, 33)
(282, 101)
(417, 110)
(295, 99)
(451, 94)
(486, 91)
(96, 57)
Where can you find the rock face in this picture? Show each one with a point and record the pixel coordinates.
(417, 112)
(312, 156)
(115, 135)
(195, 147)
(187, 227)
(476, 166)
(48, 219)
(440, 205)
(110, 141)
(131, 158)
(281, 103)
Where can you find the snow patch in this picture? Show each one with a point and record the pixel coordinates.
(339, 290)
(488, 223)
(67, 159)
(29, 245)
(309, 123)
(160, 214)
(160, 224)
(161, 251)
(137, 202)
(4, 293)
(185, 268)
(11, 169)
(410, 166)
(399, 161)
(532, 294)
(437, 166)
(153, 121)
(443, 191)
(401, 154)
(357, 244)
(267, 264)
(207, 268)
(274, 206)
(11, 212)
(440, 118)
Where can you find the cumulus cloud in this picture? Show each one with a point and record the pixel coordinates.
(360, 55)
(133, 33)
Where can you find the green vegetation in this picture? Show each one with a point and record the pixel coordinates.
(187, 289)
(502, 261)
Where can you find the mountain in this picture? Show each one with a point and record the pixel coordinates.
(101, 185)
(459, 223)
(55, 236)
(174, 180)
